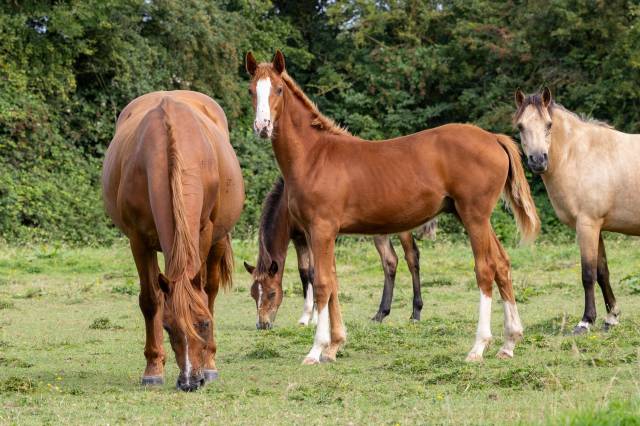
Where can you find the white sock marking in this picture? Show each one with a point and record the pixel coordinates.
(512, 328)
(483, 334)
(584, 324)
(323, 335)
(307, 308)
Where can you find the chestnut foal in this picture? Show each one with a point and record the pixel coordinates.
(277, 230)
(172, 183)
(337, 183)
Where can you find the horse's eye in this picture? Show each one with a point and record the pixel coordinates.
(549, 124)
(272, 295)
(250, 91)
(520, 127)
(279, 91)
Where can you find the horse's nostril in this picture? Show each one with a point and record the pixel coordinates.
(545, 156)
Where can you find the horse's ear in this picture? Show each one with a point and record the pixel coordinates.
(546, 97)
(163, 281)
(278, 62)
(519, 97)
(249, 268)
(273, 268)
(251, 64)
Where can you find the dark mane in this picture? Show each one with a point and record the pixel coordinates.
(267, 224)
(536, 101)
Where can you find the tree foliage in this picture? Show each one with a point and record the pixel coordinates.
(383, 68)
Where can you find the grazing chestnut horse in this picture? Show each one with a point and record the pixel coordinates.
(172, 183)
(337, 183)
(277, 229)
(591, 174)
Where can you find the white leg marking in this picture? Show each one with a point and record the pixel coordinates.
(584, 324)
(512, 330)
(612, 317)
(307, 308)
(323, 336)
(483, 335)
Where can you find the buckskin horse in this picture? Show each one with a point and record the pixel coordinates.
(172, 183)
(277, 230)
(337, 183)
(590, 171)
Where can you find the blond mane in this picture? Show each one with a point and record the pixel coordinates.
(319, 121)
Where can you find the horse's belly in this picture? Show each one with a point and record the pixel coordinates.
(371, 218)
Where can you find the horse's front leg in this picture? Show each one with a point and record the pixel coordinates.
(588, 236)
(330, 334)
(151, 302)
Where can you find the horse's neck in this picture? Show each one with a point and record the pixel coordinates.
(276, 238)
(294, 136)
(563, 142)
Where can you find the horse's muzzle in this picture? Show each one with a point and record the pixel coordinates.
(538, 163)
(193, 384)
(264, 325)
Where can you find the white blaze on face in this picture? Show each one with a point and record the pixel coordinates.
(187, 363)
(259, 301)
(263, 125)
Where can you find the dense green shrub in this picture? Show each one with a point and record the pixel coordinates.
(383, 68)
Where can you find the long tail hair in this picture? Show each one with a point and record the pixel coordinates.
(184, 254)
(517, 193)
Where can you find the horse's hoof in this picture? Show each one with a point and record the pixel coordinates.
(505, 354)
(473, 357)
(152, 380)
(608, 326)
(579, 330)
(327, 358)
(310, 361)
(378, 318)
(210, 375)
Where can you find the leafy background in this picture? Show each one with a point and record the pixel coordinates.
(382, 68)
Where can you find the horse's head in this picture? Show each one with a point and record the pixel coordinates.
(266, 88)
(266, 290)
(187, 320)
(534, 121)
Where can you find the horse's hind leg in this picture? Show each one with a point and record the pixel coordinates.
(389, 260)
(151, 302)
(306, 277)
(212, 285)
(603, 280)
(588, 234)
(412, 256)
(512, 324)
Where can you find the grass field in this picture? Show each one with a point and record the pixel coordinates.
(71, 340)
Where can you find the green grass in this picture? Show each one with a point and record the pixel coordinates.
(71, 341)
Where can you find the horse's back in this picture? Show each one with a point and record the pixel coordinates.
(137, 163)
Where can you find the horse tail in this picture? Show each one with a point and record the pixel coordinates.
(183, 256)
(226, 265)
(517, 193)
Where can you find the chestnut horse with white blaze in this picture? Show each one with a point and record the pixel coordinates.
(172, 183)
(337, 183)
(590, 171)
